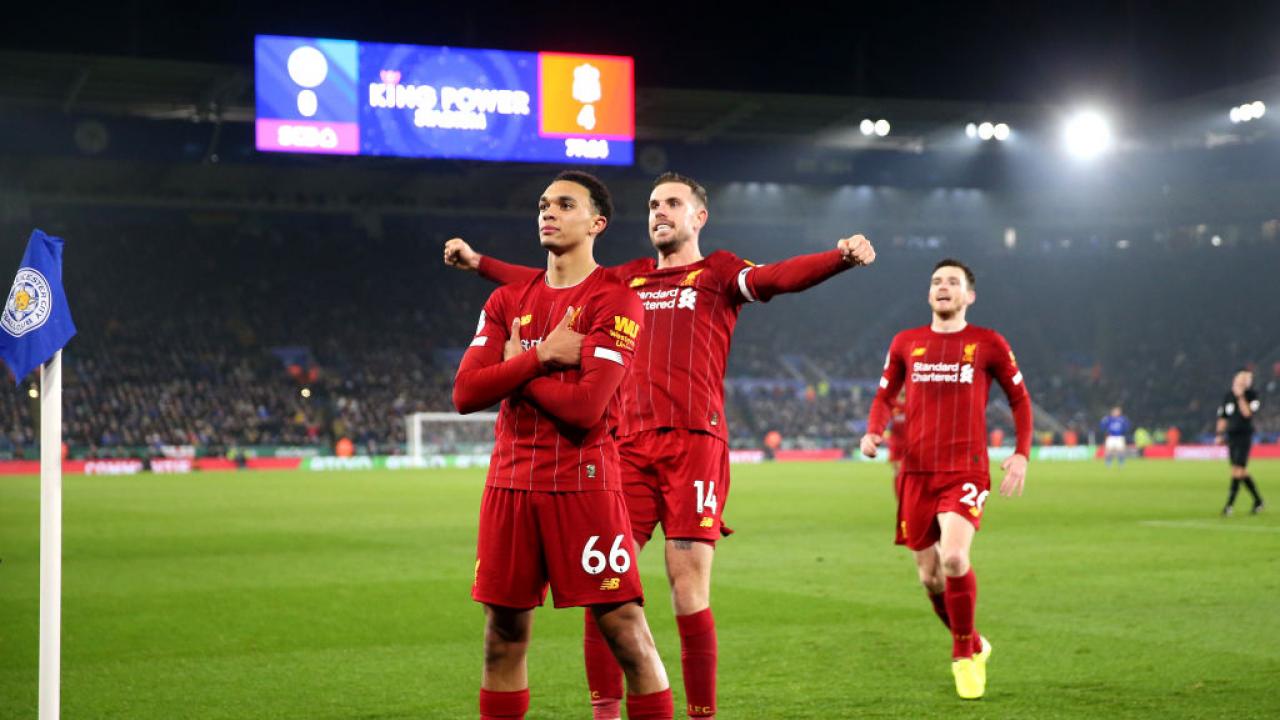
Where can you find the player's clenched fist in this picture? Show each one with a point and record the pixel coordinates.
(870, 443)
(856, 250)
(457, 253)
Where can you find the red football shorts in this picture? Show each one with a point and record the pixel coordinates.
(578, 542)
(676, 477)
(922, 496)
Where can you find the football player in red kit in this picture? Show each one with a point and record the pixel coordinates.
(947, 368)
(555, 350)
(673, 439)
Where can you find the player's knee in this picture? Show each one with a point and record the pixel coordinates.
(499, 653)
(955, 562)
(931, 580)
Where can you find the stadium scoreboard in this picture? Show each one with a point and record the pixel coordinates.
(344, 97)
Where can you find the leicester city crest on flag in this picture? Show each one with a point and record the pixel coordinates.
(35, 322)
(28, 305)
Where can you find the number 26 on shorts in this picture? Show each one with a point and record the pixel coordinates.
(972, 497)
(594, 561)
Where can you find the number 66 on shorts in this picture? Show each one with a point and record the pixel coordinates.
(577, 543)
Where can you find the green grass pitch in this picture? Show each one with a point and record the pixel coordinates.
(327, 596)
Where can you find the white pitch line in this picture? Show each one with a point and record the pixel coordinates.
(1206, 525)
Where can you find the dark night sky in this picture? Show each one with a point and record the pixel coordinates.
(1134, 51)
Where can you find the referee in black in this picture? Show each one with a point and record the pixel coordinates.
(1235, 428)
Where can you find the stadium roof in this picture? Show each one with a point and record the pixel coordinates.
(207, 92)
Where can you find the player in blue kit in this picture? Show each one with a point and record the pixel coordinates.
(1115, 428)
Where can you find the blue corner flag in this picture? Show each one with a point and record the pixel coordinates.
(35, 322)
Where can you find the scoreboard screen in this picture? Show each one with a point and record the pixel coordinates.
(344, 97)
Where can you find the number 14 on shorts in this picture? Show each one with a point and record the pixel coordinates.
(706, 496)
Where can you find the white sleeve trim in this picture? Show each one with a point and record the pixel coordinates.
(479, 340)
(742, 285)
(607, 354)
(1017, 378)
(884, 382)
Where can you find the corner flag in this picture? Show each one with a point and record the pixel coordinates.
(35, 323)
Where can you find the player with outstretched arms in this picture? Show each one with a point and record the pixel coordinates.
(947, 368)
(673, 439)
(555, 350)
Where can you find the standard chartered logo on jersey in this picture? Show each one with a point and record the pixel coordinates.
(681, 298)
(925, 372)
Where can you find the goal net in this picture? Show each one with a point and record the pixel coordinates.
(447, 439)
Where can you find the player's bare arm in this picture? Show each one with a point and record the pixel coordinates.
(1015, 475)
(458, 254)
(856, 250)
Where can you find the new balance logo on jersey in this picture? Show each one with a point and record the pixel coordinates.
(611, 583)
(688, 298)
(923, 372)
(707, 522)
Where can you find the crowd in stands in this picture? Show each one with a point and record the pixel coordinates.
(222, 332)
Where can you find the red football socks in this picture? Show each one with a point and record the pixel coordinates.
(939, 601)
(961, 600)
(604, 676)
(698, 659)
(503, 705)
(654, 706)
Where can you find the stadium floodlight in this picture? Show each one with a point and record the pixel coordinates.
(1248, 111)
(986, 130)
(882, 127)
(971, 130)
(1087, 134)
(1001, 132)
(868, 126)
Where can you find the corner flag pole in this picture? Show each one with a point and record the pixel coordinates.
(50, 536)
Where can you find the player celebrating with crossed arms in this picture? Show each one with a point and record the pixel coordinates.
(673, 440)
(947, 367)
(552, 510)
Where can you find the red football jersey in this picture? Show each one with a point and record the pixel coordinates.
(689, 316)
(948, 378)
(535, 449)
(690, 313)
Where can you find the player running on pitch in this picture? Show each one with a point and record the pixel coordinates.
(947, 368)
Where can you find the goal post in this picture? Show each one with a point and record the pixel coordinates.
(440, 434)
